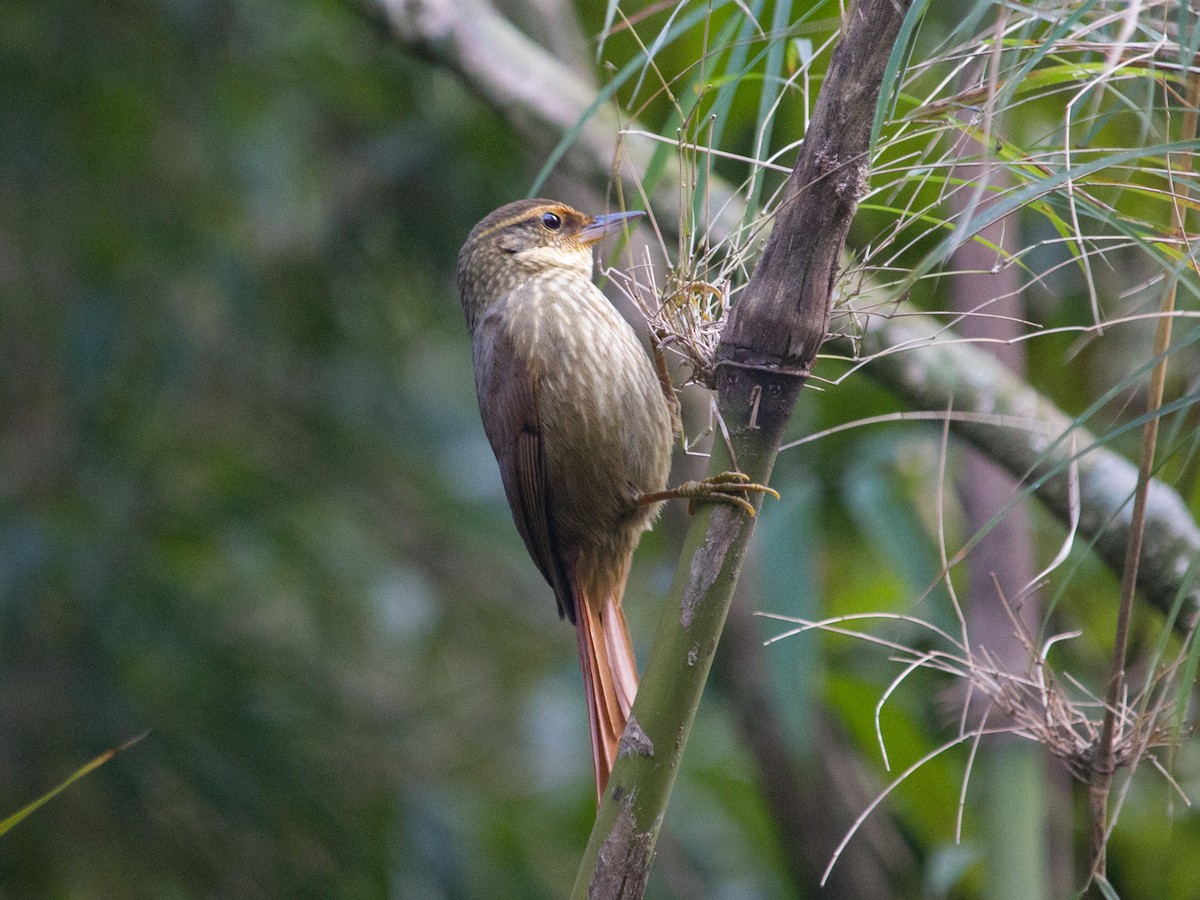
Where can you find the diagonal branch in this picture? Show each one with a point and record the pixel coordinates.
(932, 375)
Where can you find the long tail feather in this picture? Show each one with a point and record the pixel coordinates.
(609, 677)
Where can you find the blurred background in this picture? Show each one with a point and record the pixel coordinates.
(247, 507)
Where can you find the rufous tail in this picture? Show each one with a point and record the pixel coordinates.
(609, 679)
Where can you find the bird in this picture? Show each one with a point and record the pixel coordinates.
(582, 422)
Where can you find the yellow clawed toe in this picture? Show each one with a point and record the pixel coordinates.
(729, 488)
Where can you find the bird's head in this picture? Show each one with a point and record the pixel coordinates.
(524, 239)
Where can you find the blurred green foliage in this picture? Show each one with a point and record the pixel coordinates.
(246, 503)
(233, 407)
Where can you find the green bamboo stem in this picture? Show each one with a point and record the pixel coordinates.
(617, 860)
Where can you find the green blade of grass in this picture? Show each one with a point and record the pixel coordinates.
(19, 815)
(891, 76)
(678, 28)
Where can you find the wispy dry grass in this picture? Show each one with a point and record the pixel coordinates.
(1040, 703)
(1050, 708)
(1073, 109)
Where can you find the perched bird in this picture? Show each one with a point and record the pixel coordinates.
(582, 424)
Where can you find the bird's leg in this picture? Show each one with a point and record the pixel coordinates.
(728, 487)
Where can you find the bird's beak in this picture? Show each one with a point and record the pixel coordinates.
(605, 225)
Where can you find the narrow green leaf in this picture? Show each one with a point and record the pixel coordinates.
(610, 13)
(1044, 46)
(891, 75)
(1109, 892)
(771, 88)
(96, 763)
(1019, 198)
(605, 94)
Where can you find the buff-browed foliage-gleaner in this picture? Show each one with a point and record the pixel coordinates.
(582, 422)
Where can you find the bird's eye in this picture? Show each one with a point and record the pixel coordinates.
(551, 221)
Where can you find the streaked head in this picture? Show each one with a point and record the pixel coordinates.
(523, 239)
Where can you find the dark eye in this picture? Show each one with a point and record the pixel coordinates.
(551, 221)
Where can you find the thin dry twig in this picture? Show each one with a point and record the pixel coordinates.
(1105, 762)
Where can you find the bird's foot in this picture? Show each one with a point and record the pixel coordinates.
(729, 487)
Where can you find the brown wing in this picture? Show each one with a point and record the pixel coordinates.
(508, 402)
